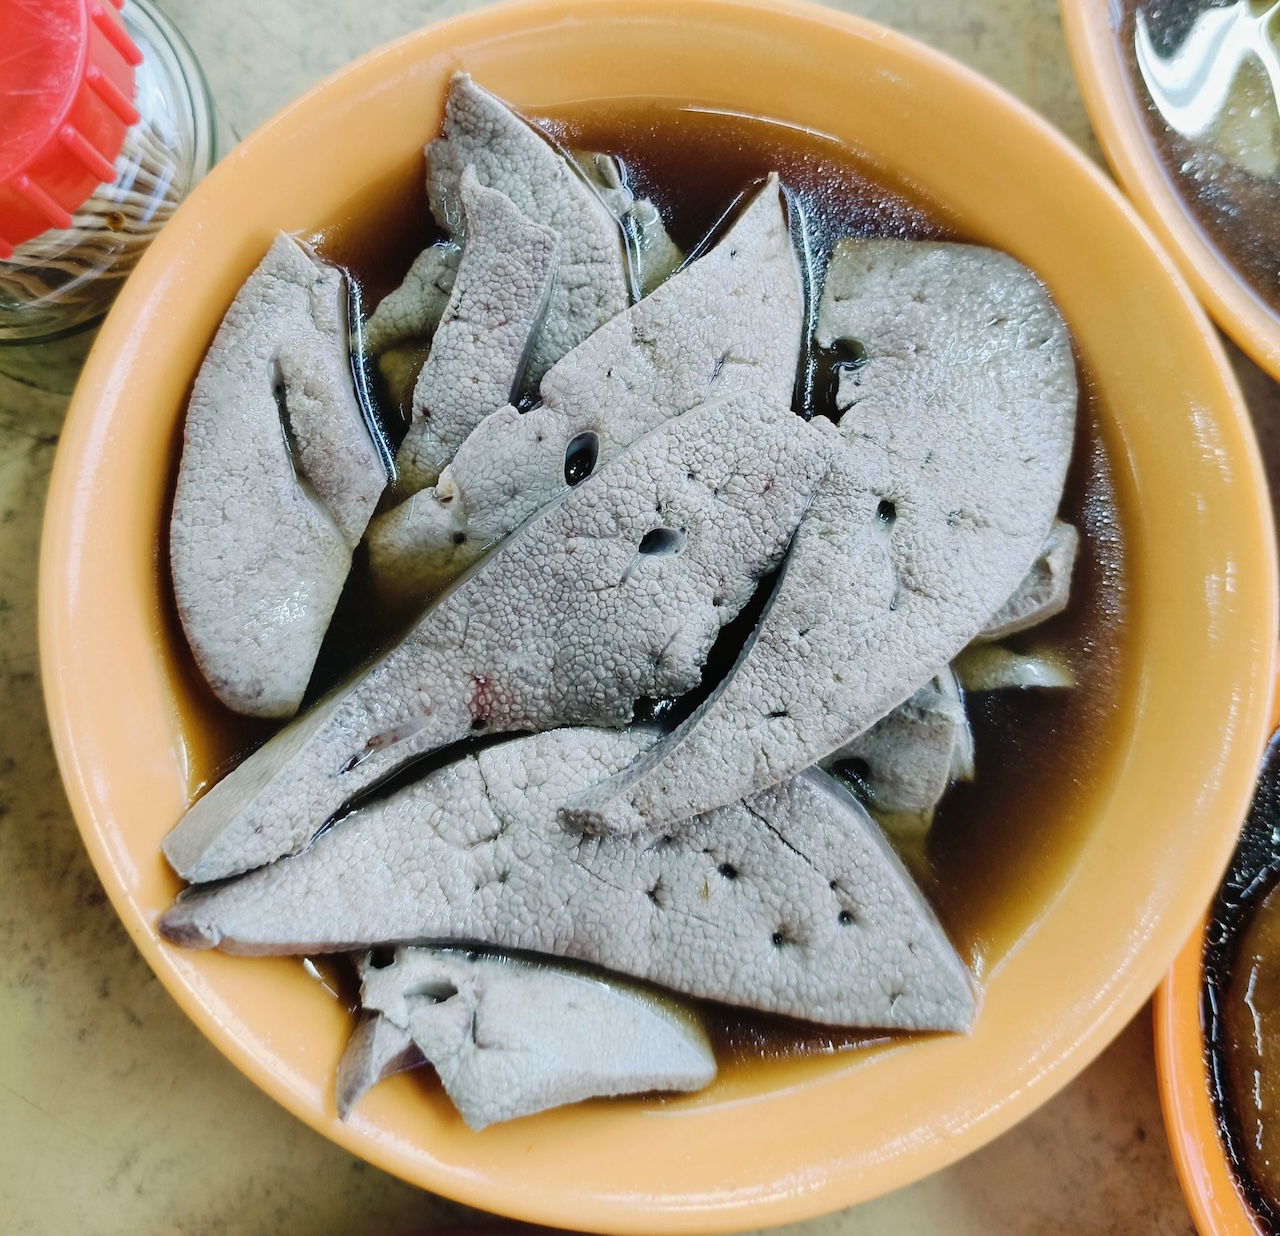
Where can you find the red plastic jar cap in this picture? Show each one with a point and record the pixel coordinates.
(66, 102)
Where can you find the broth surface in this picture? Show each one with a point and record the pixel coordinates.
(1228, 173)
(1252, 1019)
(998, 847)
(1240, 1002)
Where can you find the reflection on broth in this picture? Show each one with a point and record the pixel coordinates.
(1209, 87)
(1210, 78)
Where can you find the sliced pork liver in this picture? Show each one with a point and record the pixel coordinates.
(510, 155)
(377, 1049)
(479, 348)
(277, 480)
(908, 759)
(616, 591)
(730, 320)
(414, 309)
(511, 1037)
(792, 902)
(957, 431)
(1044, 591)
(652, 256)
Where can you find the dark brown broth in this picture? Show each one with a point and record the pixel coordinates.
(1239, 945)
(694, 165)
(1237, 209)
(997, 842)
(1252, 1018)
(999, 846)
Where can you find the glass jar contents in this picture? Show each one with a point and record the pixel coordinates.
(66, 278)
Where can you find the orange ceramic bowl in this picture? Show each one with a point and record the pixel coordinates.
(774, 1142)
(1116, 114)
(1204, 1171)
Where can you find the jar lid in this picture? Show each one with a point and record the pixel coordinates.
(66, 102)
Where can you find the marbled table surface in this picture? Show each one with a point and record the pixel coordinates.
(116, 1116)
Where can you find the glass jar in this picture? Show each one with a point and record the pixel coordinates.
(64, 280)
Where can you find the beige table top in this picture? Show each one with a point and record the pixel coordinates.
(116, 1116)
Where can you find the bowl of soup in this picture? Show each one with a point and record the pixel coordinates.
(1185, 99)
(1066, 875)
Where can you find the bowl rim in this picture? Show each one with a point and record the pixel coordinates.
(1108, 99)
(1106, 1015)
(1208, 1182)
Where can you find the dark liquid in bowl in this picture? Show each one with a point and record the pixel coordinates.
(1241, 999)
(998, 847)
(1228, 176)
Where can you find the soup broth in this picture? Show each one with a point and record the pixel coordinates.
(1240, 1007)
(1221, 153)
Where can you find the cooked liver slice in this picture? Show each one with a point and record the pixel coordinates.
(479, 348)
(510, 155)
(510, 1037)
(730, 320)
(278, 477)
(957, 432)
(652, 256)
(614, 592)
(907, 760)
(1044, 590)
(791, 902)
(414, 309)
(377, 1049)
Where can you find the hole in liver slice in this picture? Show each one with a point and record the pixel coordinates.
(658, 541)
(859, 768)
(848, 353)
(828, 365)
(580, 457)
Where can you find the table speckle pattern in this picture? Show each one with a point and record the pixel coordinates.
(116, 1116)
